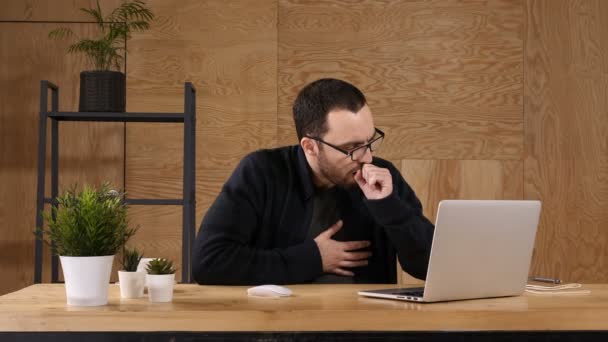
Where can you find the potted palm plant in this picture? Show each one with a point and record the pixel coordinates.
(103, 89)
(160, 279)
(130, 279)
(87, 228)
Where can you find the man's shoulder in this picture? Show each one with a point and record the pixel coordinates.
(270, 160)
(277, 155)
(264, 166)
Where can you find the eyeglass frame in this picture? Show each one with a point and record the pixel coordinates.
(351, 152)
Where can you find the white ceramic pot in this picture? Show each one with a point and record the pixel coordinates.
(160, 287)
(87, 279)
(143, 263)
(141, 267)
(131, 284)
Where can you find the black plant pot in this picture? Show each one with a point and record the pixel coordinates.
(102, 91)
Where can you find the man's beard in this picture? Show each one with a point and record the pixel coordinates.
(335, 175)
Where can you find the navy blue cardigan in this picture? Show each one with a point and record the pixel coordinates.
(255, 231)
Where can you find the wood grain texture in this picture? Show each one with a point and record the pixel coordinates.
(566, 160)
(57, 10)
(228, 51)
(159, 234)
(444, 78)
(310, 308)
(89, 152)
(436, 180)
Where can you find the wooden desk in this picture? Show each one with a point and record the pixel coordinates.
(315, 311)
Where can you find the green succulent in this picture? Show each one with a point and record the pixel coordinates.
(92, 222)
(131, 259)
(160, 266)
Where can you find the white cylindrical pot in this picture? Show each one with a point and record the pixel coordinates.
(142, 267)
(160, 287)
(143, 263)
(87, 279)
(131, 284)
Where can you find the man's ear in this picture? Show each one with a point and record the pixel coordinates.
(309, 146)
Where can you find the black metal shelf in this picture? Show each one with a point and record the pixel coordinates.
(188, 202)
(117, 117)
(140, 201)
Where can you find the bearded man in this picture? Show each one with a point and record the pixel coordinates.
(324, 211)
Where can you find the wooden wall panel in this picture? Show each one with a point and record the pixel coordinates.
(444, 78)
(436, 180)
(160, 234)
(89, 152)
(56, 10)
(228, 50)
(566, 162)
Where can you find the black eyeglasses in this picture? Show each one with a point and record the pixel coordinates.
(359, 151)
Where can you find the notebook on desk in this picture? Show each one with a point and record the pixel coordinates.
(480, 249)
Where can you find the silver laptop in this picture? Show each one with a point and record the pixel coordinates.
(480, 249)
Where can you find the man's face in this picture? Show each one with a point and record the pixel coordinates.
(346, 130)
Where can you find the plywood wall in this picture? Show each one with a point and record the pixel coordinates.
(228, 50)
(89, 152)
(566, 135)
(445, 80)
(479, 99)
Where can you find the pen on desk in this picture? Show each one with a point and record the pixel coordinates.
(546, 280)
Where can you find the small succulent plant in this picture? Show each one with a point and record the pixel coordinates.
(160, 266)
(130, 259)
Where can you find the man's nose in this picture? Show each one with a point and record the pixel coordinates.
(367, 157)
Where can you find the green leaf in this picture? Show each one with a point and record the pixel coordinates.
(87, 223)
(61, 33)
(160, 266)
(96, 14)
(130, 259)
(108, 50)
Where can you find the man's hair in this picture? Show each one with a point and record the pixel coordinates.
(320, 97)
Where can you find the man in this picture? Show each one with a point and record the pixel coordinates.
(321, 211)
